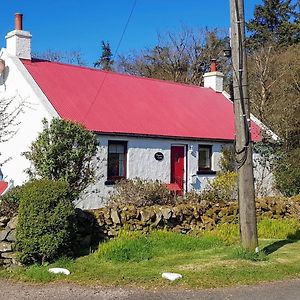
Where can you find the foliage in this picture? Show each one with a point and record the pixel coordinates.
(64, 150)
(138, 247)
(277, 228)
(274, 91)
(240, 253)
(267, 229)
(73, 57)
(227, 161)
(140, 192)
(9, 202)
(287, 173)
(275, 21)
(178, 56)
(10, 109)
(223, 187)
(45, 226)
(105, 62)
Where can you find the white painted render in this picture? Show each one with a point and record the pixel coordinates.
(214, 80)
(142, 164)
(16, 83)
(18, 43)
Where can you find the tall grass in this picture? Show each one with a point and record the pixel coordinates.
(136, 247)
(267, 229)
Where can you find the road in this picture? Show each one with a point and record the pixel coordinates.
(289, 290)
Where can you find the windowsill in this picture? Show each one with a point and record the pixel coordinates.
(207, 172)
(110, 182)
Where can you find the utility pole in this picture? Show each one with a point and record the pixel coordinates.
(243, 146)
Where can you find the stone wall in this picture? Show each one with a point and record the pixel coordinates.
(7, 241)
(185, 218)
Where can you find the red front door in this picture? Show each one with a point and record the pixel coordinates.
(177, 166)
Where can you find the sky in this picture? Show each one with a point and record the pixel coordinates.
(65, 25)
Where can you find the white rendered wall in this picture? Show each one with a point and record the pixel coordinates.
(141, 163)
(16, 83)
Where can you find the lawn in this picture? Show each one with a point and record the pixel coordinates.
(205, 262)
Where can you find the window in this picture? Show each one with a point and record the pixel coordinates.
(116, 165)
(204, 159)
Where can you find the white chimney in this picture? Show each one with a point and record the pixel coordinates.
(18, 41)
(214, 79)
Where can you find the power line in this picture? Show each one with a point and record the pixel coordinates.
(115, 54)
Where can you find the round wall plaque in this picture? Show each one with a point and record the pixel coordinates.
(158, 156)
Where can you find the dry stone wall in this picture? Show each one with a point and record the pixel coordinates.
(8, 257)
(185, 218)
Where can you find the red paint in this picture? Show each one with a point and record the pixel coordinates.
(177, 166)
(3, 186)
(116, 103)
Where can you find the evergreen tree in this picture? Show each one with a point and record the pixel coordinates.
(275, 21)
(105, 62)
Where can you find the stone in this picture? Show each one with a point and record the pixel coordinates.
(5, 247)
(158, 217)
(12, 224)
(9, 255)
(166, 212)
(147, 214)
(4, 220)
(114, 214)
(4, 233)
(11, 236)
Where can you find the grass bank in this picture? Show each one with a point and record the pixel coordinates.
(212, 260)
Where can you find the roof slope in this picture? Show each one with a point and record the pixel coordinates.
(116, 103)
(3, 186)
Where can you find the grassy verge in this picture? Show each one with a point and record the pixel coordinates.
(207, 261)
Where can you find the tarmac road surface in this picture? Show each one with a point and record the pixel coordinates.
(9, 290)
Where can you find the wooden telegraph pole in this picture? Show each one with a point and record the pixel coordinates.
(243, 146)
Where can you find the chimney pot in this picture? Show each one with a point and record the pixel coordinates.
(213, 65)
(18, 21)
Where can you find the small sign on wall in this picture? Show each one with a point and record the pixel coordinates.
(158, 156)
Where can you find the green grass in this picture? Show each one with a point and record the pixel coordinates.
(207, 261)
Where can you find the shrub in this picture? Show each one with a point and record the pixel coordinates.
(46, 222)
(64, 151)
(139, 192)
(223, 187)
(9, 203)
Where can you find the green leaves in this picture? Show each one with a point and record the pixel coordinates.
(64, 150)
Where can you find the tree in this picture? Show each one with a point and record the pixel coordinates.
(105, 62)
(64, 150)
(180, 57)
(10, 109)
(70, 57)
(274, 85)
(275, 21)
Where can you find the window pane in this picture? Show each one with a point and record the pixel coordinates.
(116, 160)
(204, 158)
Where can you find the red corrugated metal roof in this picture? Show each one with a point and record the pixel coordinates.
(116, 103)
(3, 186)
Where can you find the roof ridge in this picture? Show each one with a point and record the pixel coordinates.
(114, 73)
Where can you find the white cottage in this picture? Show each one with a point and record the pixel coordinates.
(146, 128)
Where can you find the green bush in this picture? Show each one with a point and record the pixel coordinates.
(9, 202)
(223, 187)
(45, 228)
(139, 192)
